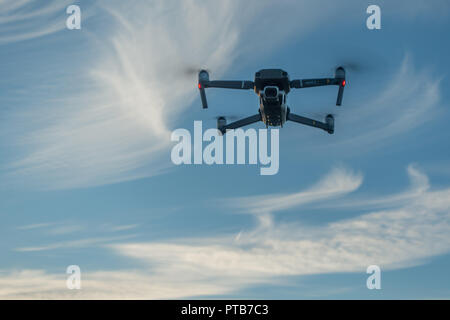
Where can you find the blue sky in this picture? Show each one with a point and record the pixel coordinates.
(86, 176)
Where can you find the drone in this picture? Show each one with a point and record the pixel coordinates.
(272, 87)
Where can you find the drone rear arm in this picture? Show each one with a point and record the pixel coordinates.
(327, 126)
(240, 123)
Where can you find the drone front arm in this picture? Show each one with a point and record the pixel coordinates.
(338, 80)
(308, 83)
(203, 84)
(227, 84)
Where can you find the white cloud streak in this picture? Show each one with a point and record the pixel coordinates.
(123, 227)
(419, 186)
(338, 182)
(80, 243)
(117, 126)
(407, 98)
(405, 233)
(35, 226)
(130, 284)
(410, 98)
(53, 228)
(119, 130)
(26, 19)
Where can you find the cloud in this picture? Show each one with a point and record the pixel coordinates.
(130, 284)
(65, 229)
(35, 226)
(410, 98)
(419, 186)
(402, 234)
(24, 20)
(402, 101)
(132, 88)
(53, 228)
(338, 182)
(123, 227)
(120, 128)
(80, 243)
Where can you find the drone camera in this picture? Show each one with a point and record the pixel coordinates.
(271, 93)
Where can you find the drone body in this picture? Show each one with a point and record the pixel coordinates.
(272, 87)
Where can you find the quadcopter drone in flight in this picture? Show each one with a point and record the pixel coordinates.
(272, 87)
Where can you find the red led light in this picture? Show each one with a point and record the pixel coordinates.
(343, 83)
(199, 85)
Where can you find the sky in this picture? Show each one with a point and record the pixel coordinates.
(86, 177)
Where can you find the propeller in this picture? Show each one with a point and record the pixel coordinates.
(192, 71)
(360, 61)
(229, 117)
(354, 66)
(321, 115)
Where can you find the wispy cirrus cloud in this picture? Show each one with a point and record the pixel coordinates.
(129, 284)
(53, 228)
(401, 234)
(79, 243)
(419, 186)
(28, 19)
(133, 87)
(36, 226)
(123, 227)
(119, 128)
(405, 99)
(410, 98)
(337, 183)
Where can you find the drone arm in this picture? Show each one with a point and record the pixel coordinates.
(310, 122)
(338, 80)
(308, 83)
(226, 84)
(203, 96)
(241, 123)
(340, 93)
